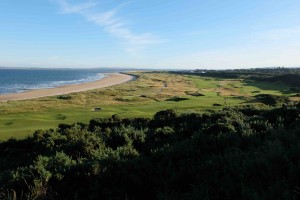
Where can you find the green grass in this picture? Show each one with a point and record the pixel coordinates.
(140, 98)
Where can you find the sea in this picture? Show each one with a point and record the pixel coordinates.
(20, 80)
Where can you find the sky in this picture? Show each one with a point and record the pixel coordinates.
(172, 34)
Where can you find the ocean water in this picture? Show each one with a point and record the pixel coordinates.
(20, 80)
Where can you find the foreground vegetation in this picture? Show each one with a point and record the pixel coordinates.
(236, 153)
(150, 93)
(185, 135)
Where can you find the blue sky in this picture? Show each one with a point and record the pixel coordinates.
(179, 34)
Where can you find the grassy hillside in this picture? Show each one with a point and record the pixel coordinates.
(143, 97)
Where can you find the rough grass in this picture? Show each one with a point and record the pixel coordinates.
(150, 93)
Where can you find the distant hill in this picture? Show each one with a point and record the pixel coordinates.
(289, 76)
(289, 79)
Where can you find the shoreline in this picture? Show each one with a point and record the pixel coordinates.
(109, 79)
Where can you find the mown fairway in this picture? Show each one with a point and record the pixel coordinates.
(150, 93)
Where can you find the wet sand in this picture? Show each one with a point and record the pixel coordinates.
(110, 80)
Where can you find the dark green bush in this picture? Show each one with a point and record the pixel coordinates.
(238, 153)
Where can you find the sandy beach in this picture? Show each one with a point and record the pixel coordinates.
(109, 80)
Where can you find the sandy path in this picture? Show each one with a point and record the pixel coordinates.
(109, 80)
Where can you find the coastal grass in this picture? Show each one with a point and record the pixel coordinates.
(143, 97)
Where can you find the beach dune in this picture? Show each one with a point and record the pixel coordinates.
(109, 80)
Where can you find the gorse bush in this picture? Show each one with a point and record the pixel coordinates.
(238, 153)
(272, 99)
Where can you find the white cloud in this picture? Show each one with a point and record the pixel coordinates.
(111, 24)
(67, 8)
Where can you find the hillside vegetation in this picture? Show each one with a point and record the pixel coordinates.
(235, 153)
